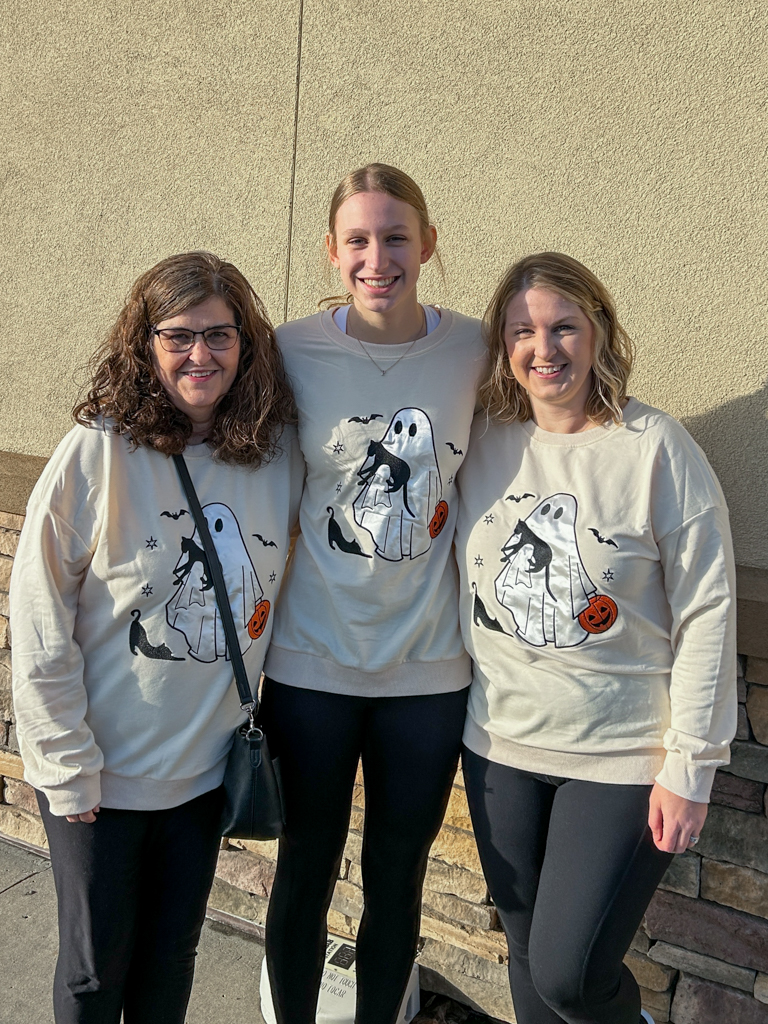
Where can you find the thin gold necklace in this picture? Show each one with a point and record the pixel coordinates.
(418, 337)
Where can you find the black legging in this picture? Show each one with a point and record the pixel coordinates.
(409, 748)
(571, 867)
(131, 888)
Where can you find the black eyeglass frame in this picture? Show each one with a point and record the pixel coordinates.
(185, 330)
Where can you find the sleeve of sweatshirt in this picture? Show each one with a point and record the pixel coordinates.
(60, 754)
(699, 575)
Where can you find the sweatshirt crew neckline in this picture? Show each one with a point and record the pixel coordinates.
(378, 351)
(197, 451)
(584, 437)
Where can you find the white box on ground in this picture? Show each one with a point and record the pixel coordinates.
(336, 1003)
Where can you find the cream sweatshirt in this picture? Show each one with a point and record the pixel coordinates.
(598, 602)
(123, 689)
(370, 601)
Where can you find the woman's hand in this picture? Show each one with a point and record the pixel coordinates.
(673, 819)
(88, 816)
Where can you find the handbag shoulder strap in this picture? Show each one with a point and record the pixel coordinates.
(247, 701)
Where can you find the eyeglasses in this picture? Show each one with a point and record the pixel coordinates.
(178, 339)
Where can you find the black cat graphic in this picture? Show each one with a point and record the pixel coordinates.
(542, 552)
(336, 538)
(480, 616)
(399, 471)
(138, 641)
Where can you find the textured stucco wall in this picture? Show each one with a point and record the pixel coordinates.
(130, 131)
(628, 134)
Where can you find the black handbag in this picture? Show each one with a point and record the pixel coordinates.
(253, 805)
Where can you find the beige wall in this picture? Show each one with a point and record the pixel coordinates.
(628, 134)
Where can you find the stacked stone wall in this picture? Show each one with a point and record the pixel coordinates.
(700, 957)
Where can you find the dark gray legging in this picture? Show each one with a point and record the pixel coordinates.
(571, 867)
(410, 749)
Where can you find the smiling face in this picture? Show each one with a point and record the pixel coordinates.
(550, 343)
(198, 379)
(378, 249)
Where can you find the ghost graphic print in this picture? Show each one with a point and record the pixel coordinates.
(193, 611)
(544, 584)
(399, 502)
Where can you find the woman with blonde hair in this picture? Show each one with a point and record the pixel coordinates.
(597, 603)
(366, 659)
(125, 701)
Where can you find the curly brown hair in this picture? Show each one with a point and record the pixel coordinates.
(125, 387)
(500, 393)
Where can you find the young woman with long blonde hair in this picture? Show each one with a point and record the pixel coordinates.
(367, 659)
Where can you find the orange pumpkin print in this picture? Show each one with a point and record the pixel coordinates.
(600, 615)
(258, 621)
(438, 520)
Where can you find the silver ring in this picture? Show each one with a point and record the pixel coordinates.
(693, 840)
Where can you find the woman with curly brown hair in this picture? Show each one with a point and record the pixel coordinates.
(123, 687)
(597, 603)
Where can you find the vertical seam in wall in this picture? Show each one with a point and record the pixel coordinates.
(293, 162)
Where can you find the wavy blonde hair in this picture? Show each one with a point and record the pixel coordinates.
(125, 387)
(391, 182)
(501, 394)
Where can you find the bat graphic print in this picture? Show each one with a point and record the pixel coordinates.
(602, 540)
(266, 543)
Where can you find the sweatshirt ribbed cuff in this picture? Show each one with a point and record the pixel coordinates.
(686, 779)
(77, 796)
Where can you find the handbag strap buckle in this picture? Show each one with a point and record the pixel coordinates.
(251, 709)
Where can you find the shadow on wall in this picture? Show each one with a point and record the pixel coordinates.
(735, 439)
(18, 475)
